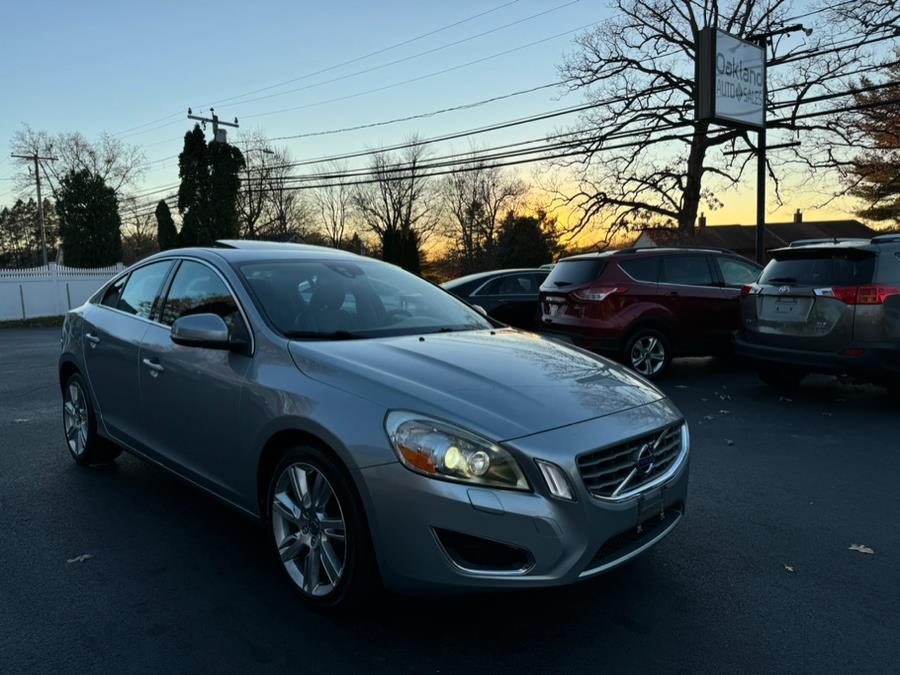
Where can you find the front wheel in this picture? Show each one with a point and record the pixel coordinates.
(648, 352)
(80, 425)
(319, 530)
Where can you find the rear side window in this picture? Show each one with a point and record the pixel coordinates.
(686, 270)
(574, 273)
(512, 284)
(736, 272)
(642, 269)
(820, 269)
(197, 289)
(142, 288)
(114, 292)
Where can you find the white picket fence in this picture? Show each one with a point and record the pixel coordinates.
(48, 291)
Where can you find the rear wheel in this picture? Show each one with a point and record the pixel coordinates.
(80, 425)
(648, 352)
(782, 378)
(318, 529)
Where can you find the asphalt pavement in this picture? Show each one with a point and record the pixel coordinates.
(759, 577)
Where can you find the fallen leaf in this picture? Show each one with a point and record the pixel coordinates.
(708, 417)
(724, 412)
(789, 568)
(80, 558)
(21, 420)
(729, 442)
(862, 548)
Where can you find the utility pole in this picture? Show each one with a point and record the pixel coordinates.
(216, 123)
(37, 158)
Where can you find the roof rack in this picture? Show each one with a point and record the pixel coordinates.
(891, 238)
(256, 244)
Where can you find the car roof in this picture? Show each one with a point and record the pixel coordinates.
(874, 245)
(650, 250)
(240, 251)
(478, 276)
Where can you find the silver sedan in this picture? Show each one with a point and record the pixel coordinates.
(384, 431)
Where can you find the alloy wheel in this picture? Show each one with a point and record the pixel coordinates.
(75, 418)
(648, 355)
(309, 529)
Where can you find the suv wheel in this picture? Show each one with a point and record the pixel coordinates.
(648, 352)
(319, 531)
(784, 378)
(80, 425)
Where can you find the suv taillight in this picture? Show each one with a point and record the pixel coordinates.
(862, 295)
(749, 289)
(597, 294)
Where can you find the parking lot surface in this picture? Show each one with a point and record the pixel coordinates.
(759, 577)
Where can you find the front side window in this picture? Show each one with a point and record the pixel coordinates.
(511, 284)
(142, 289)
(350, 299)
(197, 289)
(686, 270)
(736, 273)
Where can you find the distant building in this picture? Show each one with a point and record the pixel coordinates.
(742, 238)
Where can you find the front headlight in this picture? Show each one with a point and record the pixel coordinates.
(441, 450)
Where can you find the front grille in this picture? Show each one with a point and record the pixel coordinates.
(603, 471)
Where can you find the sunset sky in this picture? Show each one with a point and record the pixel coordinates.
(133, 69)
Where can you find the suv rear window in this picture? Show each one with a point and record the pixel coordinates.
(574, 272)
(821, 268)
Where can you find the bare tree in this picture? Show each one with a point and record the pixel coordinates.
(646, 161)
(333, 202)
(120, 165)
(399, 205)
(138, 230)
(476, 200)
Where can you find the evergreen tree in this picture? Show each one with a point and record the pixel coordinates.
(166, 234)
(207, 196)
(526, 241)
(89, 221)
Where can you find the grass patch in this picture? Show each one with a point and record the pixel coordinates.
(37, 322)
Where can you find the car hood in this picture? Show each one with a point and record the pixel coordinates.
(504, 383)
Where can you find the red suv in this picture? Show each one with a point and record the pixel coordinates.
(647, 305)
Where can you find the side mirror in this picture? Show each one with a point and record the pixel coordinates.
(203, 330)
(481, 310)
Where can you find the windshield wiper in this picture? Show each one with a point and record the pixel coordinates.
(314, 335)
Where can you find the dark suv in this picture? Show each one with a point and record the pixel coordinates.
(647, 305)
(826, 306)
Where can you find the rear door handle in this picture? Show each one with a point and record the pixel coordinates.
(155, 367)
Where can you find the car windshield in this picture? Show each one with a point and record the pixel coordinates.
(815, 268)
(341, 299)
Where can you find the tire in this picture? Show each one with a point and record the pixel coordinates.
(781, 378)
(85, 445)
(648, 352)
(321, 541)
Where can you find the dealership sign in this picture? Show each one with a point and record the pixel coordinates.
(730, 80)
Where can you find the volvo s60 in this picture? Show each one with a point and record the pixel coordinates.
(381, 429)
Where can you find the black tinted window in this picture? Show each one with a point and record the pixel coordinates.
(512, 284)
(686, 270)
(114, 292)
(736, 272)
(642, 269)
(197, 289)
(142, 288)
(574, 273)
(812, 268)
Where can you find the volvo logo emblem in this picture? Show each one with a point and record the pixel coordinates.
(645, 460)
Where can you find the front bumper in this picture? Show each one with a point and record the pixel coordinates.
(873, 363)
(565, 541)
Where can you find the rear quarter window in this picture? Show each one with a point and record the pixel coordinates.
(642, 269)
(574, 273)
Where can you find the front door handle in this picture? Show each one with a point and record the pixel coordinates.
(93, 339)
(155, 367)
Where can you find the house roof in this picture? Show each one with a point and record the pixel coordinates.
(743, 237)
